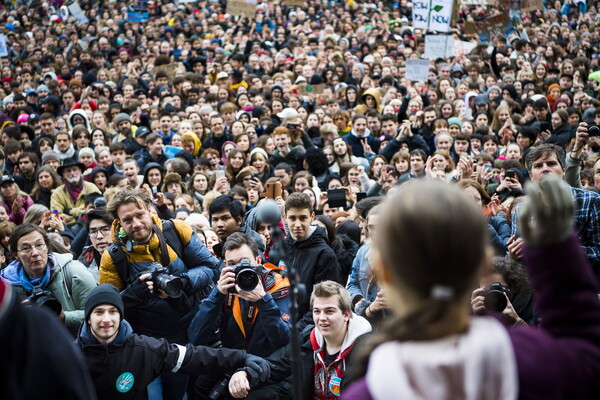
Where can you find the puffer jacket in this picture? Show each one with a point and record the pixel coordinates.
(61, 201)
(159, 317)
(72, 302)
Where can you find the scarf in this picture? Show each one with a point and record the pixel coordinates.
(74, 190)
(15, 275)
(68, 154)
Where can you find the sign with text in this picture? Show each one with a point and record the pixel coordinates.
(417, 70)
(498, 25)
(531, 5)
(242, 8)
(435, 16)
(3, 45)
(137, 11)
(476, 2)
(461, 48)
(438, 46)
(77, 13)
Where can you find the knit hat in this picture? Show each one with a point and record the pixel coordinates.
(122, 117)
(88, 151)
(553, 86)
(455, 121)
(50, 155)
(103, 294)
(261, 151)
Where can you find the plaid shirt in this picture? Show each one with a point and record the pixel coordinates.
(587, 222)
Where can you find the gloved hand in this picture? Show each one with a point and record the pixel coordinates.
(139, 288)
(547, 215)
(259, 365)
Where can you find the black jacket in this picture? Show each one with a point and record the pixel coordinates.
(314, 261)
(123, 368)
(562, 136)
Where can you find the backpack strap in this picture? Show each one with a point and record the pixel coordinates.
(172, 237)
(120, 260)
(68, 277)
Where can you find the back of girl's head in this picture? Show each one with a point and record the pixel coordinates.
(433, 236)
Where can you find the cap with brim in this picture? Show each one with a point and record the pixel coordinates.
(70, 163)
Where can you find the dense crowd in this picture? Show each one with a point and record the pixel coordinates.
(206, 164)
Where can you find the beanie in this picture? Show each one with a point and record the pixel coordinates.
(103, 294)
(122, 117)
(50, 155)
(88, 151)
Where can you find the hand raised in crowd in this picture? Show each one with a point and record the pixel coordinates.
(465, 166)
(582, 138)
(365, 145)
(432, 172)
(515, 248)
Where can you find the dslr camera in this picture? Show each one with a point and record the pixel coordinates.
(493, 297)
(159, 275)
(247, 276)
(594, 130)
(41, 297)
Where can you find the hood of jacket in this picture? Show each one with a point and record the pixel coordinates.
(197, 143)
(376, 93)
(86, 338)
(83, 115)
(357, 326)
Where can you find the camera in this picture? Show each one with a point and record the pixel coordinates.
(594, 130)
(493, 297)
(41, 297)
(171, 285)
(221, 389)
(246, 276)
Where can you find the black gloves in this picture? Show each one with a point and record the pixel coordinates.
(140, 290)
(258, 365)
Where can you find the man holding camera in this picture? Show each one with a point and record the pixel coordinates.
(248, 309)
(151, 253)
(122, 364)
(44, 278)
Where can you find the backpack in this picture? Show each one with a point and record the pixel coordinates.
(169, 233)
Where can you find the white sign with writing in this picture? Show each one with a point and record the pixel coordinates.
(417, 70)
(3, 46)
(438, 46)
(432, 15)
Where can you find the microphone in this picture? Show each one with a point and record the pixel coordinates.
(268, 212)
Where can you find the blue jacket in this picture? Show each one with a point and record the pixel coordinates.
(355, 142)
(269, 331)
(360, 282)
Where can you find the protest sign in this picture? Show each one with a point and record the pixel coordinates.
(475, 2)
(296, 3)
(137, 11)
(436, 17)
(169, 69)
(78, 13)
(417, 70)
(531, 5)
(498, 25)
(242, 8)
(438, 46)
(306, 90)
(461, 48)
(3, 47)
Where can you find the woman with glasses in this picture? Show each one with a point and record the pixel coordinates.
(52, 279)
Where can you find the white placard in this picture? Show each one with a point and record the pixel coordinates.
(78, 13)
(417, 70)
(438, 46)
(3, 46)
(435, 16)
(460, 47)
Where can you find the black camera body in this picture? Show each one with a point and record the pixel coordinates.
(247, 276)
(41, 297)
(493, 297)
(171, 285)
(594, 130)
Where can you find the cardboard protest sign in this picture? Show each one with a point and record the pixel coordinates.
(296, 3)
(417, 70)
(78, 13)
(242, 8)
(169, 69)
(438, 46)
(435, 16)
(498, 25)
(305, 90)
(531, 5)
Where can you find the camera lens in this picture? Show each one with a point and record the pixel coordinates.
(494, 300)
(594, 130)
(247, 279)
(171, 285)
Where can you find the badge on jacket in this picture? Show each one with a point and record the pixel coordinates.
(125, 382)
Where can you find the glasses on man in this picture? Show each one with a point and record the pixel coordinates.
(104, 230)
(28, 249)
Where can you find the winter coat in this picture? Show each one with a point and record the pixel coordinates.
(61, 201)
(313, 260)
(168, 318)
(72, 301)
(355, 142)
(124, 368)
(144, 157)
(361, 283)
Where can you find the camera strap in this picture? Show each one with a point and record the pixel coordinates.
(165, 260)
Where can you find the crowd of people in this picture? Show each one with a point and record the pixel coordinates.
(165, 185)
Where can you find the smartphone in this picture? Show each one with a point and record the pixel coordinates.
(154, 191)
(274, 190)
(510, 174)
(488, 167)
(220, 174)
(361, 196)
(255, 176)
(336, 198)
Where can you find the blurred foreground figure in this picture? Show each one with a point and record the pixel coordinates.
(433, 348)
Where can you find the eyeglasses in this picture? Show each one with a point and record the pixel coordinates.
(105, 230)
(29, 249)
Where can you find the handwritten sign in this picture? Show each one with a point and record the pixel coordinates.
(438, 46)
(78, 13)
(137, 11)
(436, 17)
(498, 25)
(461, 48)
(242, 8)
(307, 90)
(3, 46)
(417, 70)
(531, 5)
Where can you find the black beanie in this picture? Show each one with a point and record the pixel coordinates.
(103, 294)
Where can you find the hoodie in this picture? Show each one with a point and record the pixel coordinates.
(82, 114)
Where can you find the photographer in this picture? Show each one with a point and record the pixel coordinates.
(506, 290)
(145, 246)
(256, 320)
(49, 277)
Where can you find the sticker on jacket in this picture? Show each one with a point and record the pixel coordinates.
(335, 385)
(125, 382)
